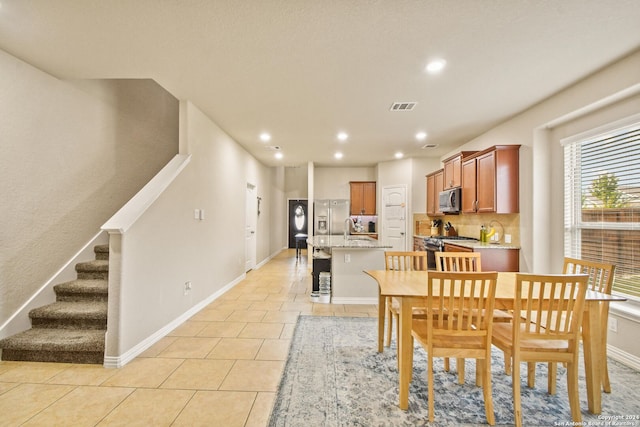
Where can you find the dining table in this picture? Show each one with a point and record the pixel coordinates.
(410, 289)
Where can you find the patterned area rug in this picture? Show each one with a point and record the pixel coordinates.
(335, 377)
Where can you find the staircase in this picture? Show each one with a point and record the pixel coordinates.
(72, 329)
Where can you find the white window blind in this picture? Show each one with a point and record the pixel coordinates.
(602, 202)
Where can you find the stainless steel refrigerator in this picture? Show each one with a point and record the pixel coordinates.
(329, 216)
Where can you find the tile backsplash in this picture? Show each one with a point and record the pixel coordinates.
(469, 225)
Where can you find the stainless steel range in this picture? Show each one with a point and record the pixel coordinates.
(435, 244)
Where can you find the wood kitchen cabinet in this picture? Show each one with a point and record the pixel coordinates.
(435, 184)
(490, 181)
(492, 259)
(363, 197)
(453, 169)
(418, 244)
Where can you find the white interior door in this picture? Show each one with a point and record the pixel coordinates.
(394, 211)
(250, 227)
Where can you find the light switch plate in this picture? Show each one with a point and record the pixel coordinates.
(196, 214)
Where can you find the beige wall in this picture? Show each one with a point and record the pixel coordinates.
(167, 247)
(606, 96)
(72, 153)
(541, 182)
(333, 183)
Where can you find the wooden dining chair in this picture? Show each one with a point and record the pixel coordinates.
(458, 323)
(458, 261)
(600, 280)
(547, 330)
(400, 260)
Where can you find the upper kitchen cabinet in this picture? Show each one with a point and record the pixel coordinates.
(490, 181)
(453, 169)
(435, 184)
(363, 197)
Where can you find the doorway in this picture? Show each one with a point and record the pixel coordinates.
(298, 221)
(251, 221)
(394, 224)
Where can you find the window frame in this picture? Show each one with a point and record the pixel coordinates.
(572, 204)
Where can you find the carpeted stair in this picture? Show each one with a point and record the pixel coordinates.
(72, 329)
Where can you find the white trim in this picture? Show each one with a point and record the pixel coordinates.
(352, 300)
(134, 208)
(629, 310)
(123, 359)
(623, 357)
(600, 131)
(19, 321)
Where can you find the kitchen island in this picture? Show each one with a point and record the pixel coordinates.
(349, 258)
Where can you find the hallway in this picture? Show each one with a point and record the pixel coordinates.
(221, 367)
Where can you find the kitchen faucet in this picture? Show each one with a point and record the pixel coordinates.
(348, 223)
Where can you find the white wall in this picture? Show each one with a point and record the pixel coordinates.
(541, 183)
(422, 167)
(296, 182)
(71, 154)
(333, 183)
(606, 96)
(167, 247)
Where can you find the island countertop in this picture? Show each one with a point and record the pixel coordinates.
(352, 241)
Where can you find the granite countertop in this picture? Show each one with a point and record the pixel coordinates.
(475, 244)
(338, 241)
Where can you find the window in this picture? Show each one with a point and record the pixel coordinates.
(602, 200)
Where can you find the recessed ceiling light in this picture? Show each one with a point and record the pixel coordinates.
(399, 155)
(338, 155)
(265, 137)
(342, 136)
(435, 66)
(421, 136)
(278, 155)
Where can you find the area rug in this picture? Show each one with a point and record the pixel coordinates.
(335, 377)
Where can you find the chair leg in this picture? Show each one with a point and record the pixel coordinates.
(606, 385)
(551, 378)
(430, 385)
(483, 366)
(460, 368)
(517, 405)
(572, 388)
(479, 375)
(397, 320)
(446, 364)
(389, 315)
(531, 374)
(507, 363)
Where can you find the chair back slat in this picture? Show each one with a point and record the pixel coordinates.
(551, 306)
(405, 260)
(600, 274)
(458, 261)
(461, 302)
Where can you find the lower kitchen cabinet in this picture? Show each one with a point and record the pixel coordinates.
(493, 259)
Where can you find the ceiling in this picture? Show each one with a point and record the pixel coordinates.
(303, 70)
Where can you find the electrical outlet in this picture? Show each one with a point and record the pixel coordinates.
(347, 257)
(196, 214)
(613, 324)
(507, 238)
(187, 287)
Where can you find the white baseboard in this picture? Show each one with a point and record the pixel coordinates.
(623, 357)
(120, 361)
(352, 300)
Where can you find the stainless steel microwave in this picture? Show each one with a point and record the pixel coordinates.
(449, 201)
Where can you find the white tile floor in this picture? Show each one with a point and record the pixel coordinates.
(221, 367)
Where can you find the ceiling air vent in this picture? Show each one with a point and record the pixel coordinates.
(426, 146)
(402, 106)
